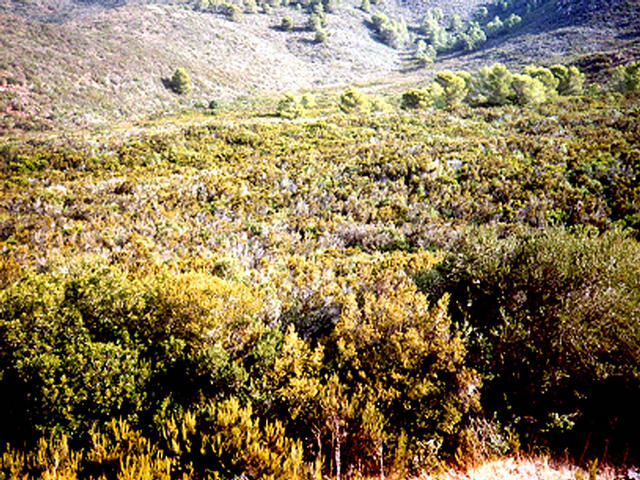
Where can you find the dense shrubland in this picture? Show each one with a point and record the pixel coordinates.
(359, 293)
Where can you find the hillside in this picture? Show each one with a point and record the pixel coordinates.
(134, 47)
(64, 62)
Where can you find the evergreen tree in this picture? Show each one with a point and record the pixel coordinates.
(286, 24)
(545, 76)
(527, 89)
(453, 86)
(570, 80)
(626, 78)
(491, 85)
(180, 81)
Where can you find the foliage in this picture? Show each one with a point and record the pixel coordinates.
(494, 85)
(472, 38)
(290, 107)
(321, 36)
(232, 11)
(415, 98)
(392, 32)
(315, 296)
(553, 328)
(512, 21)
(454, 88)
(570, 80)
(626, 78)
(425, 54)
(352, 100)
(286, 24)
(491, 85)
(545, 76)
(233, 441)
(527, 89)
(180, 81)
(495, 26)
(455, 24)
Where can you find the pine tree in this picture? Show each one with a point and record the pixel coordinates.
(180, 81)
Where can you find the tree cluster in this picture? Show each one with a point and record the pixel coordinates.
(496, 85)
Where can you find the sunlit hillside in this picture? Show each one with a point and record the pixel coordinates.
(81, 63)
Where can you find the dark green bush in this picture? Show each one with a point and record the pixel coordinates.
(626, 78)
(491, 85)
(415, 99)
(454, 87)
(570, 79)
(553, 327)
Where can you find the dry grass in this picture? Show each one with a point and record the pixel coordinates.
(523, 468)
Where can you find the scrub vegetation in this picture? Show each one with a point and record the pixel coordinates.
(357, 285)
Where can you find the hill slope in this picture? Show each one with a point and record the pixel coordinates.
(69, 62)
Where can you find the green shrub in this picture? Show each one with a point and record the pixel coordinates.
(491, 85)
(438, 36)
(321, 36)
(81, 348)
(250, 6)
(232, 440)
(392, 32)
(455, 24)
(553, 319)
(232, 11)
(308, 101)
(424, 53)
(397, 350)
(290, 107)
(437, 95)
(180, 81)
(626, 78)
(527, 90)
(570, 80)
(512, 21)
(352, 100)
(495, 26)
(454, 87)
(412, 99)
(287, 24)
(471, 39)
(545, 76)
(66, 360)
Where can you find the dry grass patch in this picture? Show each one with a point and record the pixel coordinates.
(523, 468)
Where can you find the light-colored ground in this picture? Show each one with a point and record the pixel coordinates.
(523, 468)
